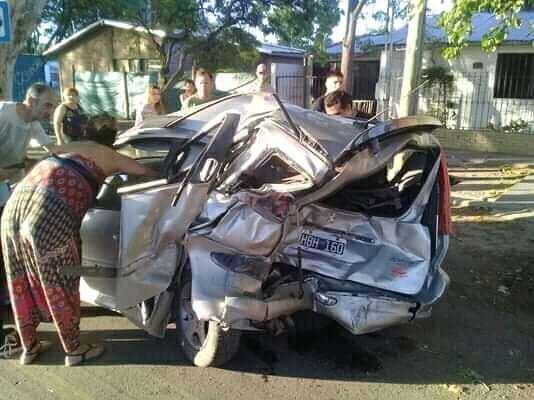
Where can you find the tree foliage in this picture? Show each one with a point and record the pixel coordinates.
(400, 12)
(62, 18)
(458, 22)
(306, 26)
(25, 16)
(218, 33)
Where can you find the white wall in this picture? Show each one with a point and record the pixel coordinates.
(477, 108)
(227, 81)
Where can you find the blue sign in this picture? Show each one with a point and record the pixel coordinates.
(29, 69)
(5, 28)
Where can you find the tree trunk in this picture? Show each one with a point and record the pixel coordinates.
(354, 8)
(178, 74)
(25, 16)
(413, 58)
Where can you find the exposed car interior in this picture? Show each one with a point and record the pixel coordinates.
(391, 191)
(153, 152)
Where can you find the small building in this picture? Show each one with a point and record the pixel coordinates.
(109, 46)
(490, 90)
(285, 66)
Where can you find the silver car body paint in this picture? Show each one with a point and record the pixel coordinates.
(389, 259)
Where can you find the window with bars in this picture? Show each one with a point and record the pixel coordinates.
(514, 77)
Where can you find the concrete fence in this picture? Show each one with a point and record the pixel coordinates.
(486, 141)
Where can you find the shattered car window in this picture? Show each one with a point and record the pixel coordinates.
(145, 148)
(273, 171)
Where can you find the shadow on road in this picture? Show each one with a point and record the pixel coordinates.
(482, 332)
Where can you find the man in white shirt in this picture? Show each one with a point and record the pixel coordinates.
(19, 124)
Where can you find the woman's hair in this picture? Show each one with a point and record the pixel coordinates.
(192, 83)
(70, 90)
(102, 129)
(159, 107)
(338, 97)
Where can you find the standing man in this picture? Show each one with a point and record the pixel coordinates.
(334, 81)
(19, 124)
(206, 91)
(262, 79)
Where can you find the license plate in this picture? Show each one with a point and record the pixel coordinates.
(311, 241)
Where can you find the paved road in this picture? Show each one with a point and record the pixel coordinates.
(138, 367)
(418, 361)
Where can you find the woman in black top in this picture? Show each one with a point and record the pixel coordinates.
(70, 121)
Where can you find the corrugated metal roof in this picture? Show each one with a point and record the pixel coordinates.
(276, 49)
(97, 25)
(482, 23)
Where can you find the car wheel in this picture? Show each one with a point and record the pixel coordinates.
(205, 343)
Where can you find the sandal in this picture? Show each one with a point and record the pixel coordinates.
(11, 345)
(93, 351)
(27, 357)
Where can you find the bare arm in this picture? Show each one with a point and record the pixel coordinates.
(107, 159)
(59, 114)
(130, 166)
(139, 115)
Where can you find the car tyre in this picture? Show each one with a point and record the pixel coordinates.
(205, 343)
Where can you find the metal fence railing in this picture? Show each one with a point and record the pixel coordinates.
(291, 88)
(469, 103)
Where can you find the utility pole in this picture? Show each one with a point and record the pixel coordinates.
(389, 57)
(413, 57)
(354, 8)
(148, 13)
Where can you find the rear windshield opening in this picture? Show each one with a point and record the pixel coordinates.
(274, 171)
(391, 191)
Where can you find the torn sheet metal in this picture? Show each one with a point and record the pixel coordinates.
(363, 314)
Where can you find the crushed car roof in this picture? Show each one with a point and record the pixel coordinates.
(333, 133)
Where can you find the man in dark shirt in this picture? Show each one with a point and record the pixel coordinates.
(334, 81)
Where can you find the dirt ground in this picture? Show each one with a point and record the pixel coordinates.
(478, 344)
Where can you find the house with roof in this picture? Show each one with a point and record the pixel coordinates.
(110, 46)
(489, 90)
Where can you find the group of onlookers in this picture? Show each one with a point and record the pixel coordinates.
(195, 92)
(201, 90)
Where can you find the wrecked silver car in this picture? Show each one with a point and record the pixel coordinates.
(265, 209)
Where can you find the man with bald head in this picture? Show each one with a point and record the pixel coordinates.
(262, 79)
(20, 123)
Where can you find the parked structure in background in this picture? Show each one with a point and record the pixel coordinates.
(110, 46)
(490, 91)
